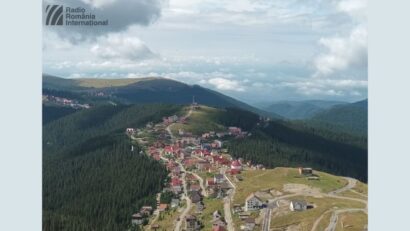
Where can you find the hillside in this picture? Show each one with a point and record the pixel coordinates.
(145, 90)
(92, 180)
(348, 117)
(280, 143)
(299, 109)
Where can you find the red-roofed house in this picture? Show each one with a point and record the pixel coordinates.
(236, 165)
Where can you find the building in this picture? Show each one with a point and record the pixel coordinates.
(195, 196)
(297, 205)
(253, 202)
(219, 178)
(249, 223)
(174, 203)
(146, 210)
(305, 171)
(163, 207)
(192, 223)
(236, 165)
(137, 219)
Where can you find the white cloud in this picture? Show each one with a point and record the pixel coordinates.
(120, 46)
(343, 52)
(348, 52)
(226, 84)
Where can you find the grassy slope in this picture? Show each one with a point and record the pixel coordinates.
(255, 180)
(200, 121)
(306, 218)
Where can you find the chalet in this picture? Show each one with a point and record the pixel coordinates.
(174, 203)
(176, 185)
(210, 182)
(236, 165)
(195, 196)
(234, 130)
(218, 228)
(203, 165)
(206, 136)
(234, 171)
(195, 187)
(163, 207)
(253, 202)
(305, 171)
(225, 186)
(217, 144)
(297, 205)
(155, 227)
(130, 131)
(219, 178)
(249, 223)
(146, 210)
(137, 219)
(192, 223)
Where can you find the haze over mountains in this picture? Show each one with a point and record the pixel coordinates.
(299, 109)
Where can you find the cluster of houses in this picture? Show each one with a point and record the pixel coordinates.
(142, 216)
(232, 131)
(64, 102)
(202, 154)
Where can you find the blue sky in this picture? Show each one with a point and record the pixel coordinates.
(253, 50)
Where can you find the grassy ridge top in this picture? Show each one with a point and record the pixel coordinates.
(102, 83)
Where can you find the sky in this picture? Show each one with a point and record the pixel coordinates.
(252, 50)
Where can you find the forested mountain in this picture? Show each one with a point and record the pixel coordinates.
(280, 143)
(299, 109)
(91, 178)
(146, 90)
(348, 117)
(51, 113)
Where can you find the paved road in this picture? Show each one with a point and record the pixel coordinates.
(184, 197)
(201, 183)
(227, 203)
(266, 219)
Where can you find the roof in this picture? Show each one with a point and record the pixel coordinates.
(219, 176)
(253, 195)
(136, 216)
(236, 163)
(299, 202)
(249, 220)
(163, 206)
(218, 228)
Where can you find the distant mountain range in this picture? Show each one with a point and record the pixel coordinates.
(146, 90)
(350, 117)
(299, 109)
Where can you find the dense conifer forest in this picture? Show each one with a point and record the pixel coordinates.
(91, 178)
(280, 143)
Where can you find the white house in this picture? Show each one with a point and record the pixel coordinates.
(296, 205)
(253, 202)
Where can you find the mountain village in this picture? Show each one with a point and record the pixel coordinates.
(208, 189)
